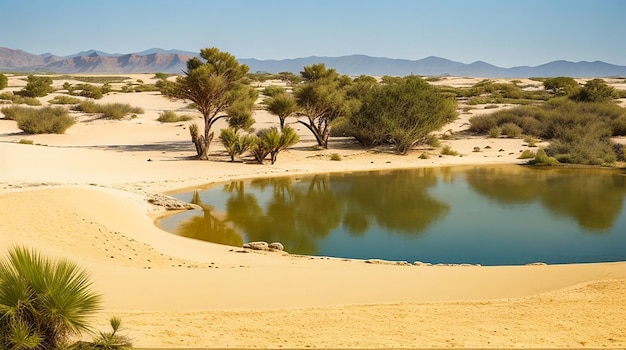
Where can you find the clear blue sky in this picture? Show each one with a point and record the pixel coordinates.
(506, 33)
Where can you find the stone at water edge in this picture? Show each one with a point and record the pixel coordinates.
(276, 246)
(257, 245)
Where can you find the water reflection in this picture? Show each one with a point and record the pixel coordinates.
(594, 199)
(420, 213)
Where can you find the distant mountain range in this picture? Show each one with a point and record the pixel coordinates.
(173, 61)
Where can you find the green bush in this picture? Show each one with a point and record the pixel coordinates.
(46, 120)
(541, 158)
(587, 145)
(89, 91)
(447, 151)
(530, 141)
(109, 111)
(37, 86)
(578, 132)
(511, 130)
(433, 140)
(495, 132)
(335, 157)
(64, 100)
(527, 154)
(14, 112)
(482, 123)
(4, 81)
(17, 99)
(172, 117)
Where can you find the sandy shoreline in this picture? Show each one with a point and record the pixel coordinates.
(83, 196)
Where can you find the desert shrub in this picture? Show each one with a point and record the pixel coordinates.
(109, 111)
(495, 132)
(579, 132)
(18, 99)
(403, 111)
(584, 144)
(482, 123)
(8, 96)
(88, 106)
(14, 112)
(423, 156)
(4, 81)
(273, 90)
(31, 101)
(476, 149)
(511, 130)
(620, 152)
(37, 86)
(89, 91)
(561, 85)
(335, 157)
(447, 151)
(162, 76)
(541, 158)
(64, 100)
(26, 142)
(527, 154)
(530, 141)
(46, 120)
(172, 117)
(433, 140)
(595, 90)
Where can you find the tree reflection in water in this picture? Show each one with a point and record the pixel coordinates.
(591, 197)
(392, 208)
(208, 227)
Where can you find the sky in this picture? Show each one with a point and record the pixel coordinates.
(506, 33)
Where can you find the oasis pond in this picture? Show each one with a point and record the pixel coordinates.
(488, 215)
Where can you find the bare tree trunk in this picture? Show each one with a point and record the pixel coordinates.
(201, 142)
(316, 132)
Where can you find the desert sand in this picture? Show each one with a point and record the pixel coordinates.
(83, 196)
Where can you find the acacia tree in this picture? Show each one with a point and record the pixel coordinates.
(321, 99)
(214, 83)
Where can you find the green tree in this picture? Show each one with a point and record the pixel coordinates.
(213, 83)
(282, 105)
(37, 86)
(402, 111)
(321, 99)
(561, 86)
(271, 141)
(4, 81)
(595, 90)
(42, 303)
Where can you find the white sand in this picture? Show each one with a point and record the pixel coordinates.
(83, 197)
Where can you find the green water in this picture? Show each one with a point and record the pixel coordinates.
(504, 215)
